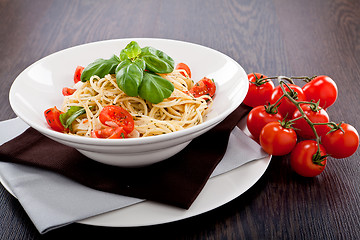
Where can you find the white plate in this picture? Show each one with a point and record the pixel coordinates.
(218, 191)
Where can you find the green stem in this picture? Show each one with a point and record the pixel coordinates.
(277, 101)
(297, 104)
(295, 119)
(304, 78)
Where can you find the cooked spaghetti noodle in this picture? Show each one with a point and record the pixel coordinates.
(181, 110)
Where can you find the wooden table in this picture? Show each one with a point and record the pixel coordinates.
(273, 37)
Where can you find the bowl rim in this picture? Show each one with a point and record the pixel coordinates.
(128, 141)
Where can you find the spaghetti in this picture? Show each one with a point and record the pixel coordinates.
(180, 111)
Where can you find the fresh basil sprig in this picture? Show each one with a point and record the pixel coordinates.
(71, 114)
(136, 71)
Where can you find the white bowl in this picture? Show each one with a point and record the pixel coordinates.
(39, 87)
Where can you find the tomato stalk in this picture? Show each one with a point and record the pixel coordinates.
(297, 104)
(317, 158)
(314, 106)
(277, 101)
(290, 79)
(333, 126)
(279, 78)
(259, 81)
(271, 108)
(304, 78)
(292, 92)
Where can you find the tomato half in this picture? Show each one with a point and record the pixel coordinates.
(260, 90)
(286, 107)
(276, 139)
(319, 115)
(302, 160)
(115, 116)
(68, 91)
(77, 74)
(341, 144)
(323, 89)
(205, 86)
(258, 117)
(183, 66)
(109, 133)
(52, 116)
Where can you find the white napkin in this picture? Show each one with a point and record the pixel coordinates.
(52, 201)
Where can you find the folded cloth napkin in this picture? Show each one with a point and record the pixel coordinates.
(176, 181)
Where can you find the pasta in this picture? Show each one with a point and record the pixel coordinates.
(180, 111)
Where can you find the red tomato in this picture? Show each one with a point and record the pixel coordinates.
(302, 161)
(205, 86)
(341, 144)
(258, 117)
(303, 129)
(260, 91)
(321, 88)
(115, 116)
(68, 91)
(109, 133)
(183, 66)
(276, 139)
(286, 107)
(52, 116)
(77, 74)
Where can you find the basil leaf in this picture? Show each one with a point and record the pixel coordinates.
(155, 88)
(140, 63)
(132, 50)
(123, 55)
(157, 61)
(122, 64)
(129, 78)
(72, 113)
(100, 68)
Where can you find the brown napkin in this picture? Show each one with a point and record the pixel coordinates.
(176, 181)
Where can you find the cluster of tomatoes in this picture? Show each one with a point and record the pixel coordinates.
(289, 119)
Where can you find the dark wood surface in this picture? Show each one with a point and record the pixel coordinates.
(273, 37)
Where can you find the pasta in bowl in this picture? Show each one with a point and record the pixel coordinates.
(179, 111)
(164, 121)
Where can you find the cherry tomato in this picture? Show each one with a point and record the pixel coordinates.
(109, 133)
(68, 91)
(183, 66)
(260, 91)
(77, 74)
(52, 116)
(303, 162)
(286, 107)
(258, 117)
(115, 116)
(321, 88)
(276, 139)
(205, 86)
(341, 144)
(319, 115)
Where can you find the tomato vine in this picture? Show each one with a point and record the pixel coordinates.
(310, 102)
